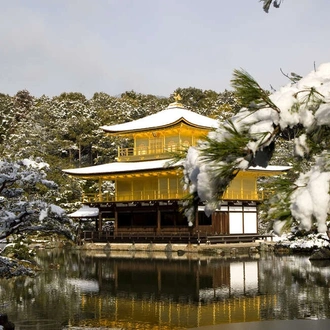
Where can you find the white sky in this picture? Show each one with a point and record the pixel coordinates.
(154, 46)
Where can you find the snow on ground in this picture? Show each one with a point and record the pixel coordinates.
(307, 242)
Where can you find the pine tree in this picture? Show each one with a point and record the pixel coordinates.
(24, 196)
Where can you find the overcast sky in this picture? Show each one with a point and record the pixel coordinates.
(155, 46)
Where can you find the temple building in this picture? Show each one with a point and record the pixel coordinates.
(147, 201)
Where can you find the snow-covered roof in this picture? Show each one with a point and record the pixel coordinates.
(122, 167)
(85, 212)
(128, 167)
(172, 115)
(270, 168)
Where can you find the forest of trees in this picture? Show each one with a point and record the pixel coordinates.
(64, 130)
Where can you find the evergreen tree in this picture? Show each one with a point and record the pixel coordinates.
(24, 206)
(13, 111)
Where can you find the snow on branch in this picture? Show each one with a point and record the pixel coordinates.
(23, 199)
(299, 112)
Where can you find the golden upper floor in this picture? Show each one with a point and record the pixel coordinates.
(161, 144)
(159, 135)
(167, 185)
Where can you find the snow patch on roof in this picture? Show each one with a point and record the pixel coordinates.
(85, 212)
(269, 168)
(120, 167)
(163, 118)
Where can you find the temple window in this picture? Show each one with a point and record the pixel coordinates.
(171, 146)
(142, 149)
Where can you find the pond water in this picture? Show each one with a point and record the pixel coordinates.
(164, 291)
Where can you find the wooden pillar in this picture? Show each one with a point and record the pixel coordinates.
(135, 151)
(196, 220)
(100, 190)
(159, 279)
(97, 222)
(158, 220)
(116, 222)
(100, 222)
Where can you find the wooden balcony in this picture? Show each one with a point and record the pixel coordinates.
(173, 236)
(136, 236)
(241, 195)
(135, 196)
(153, 195)
(97, 198)
(145, 153)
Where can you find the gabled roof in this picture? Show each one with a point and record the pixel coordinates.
(172, 115)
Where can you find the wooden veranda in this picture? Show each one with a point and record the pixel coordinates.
(183, 237)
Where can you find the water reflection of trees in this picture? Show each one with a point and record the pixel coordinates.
(44, 297)
(301, 288)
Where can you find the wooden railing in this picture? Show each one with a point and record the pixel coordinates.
(135, 196)
(97, 198)
(138, 237)
(125, 154)
(243, 195)
(163, 195)
(237, 238)
(166, 236)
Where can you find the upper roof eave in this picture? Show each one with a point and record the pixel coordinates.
(118, 168)
(159, 127)
(163, 119)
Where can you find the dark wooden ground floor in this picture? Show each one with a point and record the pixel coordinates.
(167, 216)
(164, 222)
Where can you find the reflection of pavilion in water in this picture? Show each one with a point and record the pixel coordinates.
(173, 294)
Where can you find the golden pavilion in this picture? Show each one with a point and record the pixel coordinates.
(148, 197)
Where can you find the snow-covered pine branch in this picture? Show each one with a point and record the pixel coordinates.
(23, 199)
(299, 111)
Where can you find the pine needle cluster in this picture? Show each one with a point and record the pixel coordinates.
(249, 92)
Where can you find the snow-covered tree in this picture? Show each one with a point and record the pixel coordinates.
(23, 200)
(13, 110)
(300, 112)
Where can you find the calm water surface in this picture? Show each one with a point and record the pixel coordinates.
(164, 291)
